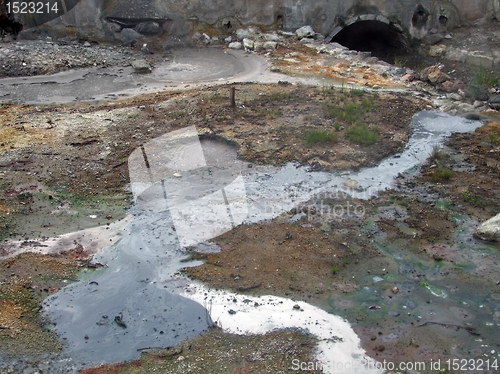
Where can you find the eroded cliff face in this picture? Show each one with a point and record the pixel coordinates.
(126, 20)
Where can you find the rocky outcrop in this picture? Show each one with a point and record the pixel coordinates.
(179, 18)
(489, 230)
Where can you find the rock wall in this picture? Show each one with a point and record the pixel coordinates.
(107, 19)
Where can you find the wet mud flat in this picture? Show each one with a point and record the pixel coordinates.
(65, 166)
(402, 267)
(71, 161)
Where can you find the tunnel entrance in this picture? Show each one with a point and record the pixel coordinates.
(379, 38)
(9, 27)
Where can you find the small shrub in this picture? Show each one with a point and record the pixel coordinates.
(362, 134)
(335, 269)
(494, 139)
(442, 173)
(320, 136)
(483, 79)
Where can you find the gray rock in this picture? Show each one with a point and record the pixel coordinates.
(242, 34)
(248, 44)
(304, 32)
(130, 34)
(454, 96)
(206, 38)
(235, 45)
(338, 46)
(257, 46)
(464, 107)
(270, 45)
(489, 230)
(113, 27)
(319, 37)
(271, 37)
(482, 95)
(141, 66)
(86, 44)
(229, 39)
(148, 28)
(495, 99)
(287, 33)
(306, 40)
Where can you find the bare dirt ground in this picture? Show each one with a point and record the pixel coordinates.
(65, 167)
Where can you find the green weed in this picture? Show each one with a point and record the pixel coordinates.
(362, 134)
(320, 136)
(442, 173)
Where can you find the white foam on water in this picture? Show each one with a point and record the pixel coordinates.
(339, 348)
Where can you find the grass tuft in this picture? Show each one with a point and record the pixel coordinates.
(320, 137)
(362, 134)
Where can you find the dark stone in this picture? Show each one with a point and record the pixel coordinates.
(148, 28)
(433, 39)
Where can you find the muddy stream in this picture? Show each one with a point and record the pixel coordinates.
(188, 191)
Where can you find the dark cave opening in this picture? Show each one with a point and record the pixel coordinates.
(9, 26)
(382, 40)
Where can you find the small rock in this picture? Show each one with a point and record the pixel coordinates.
(271, 37)
(454, 96)
(242, 34)
(434, 75)
(177, 175)
(477, 103)
(464, 107)
(304, 32)
(395, 290)
(270, 45)
(235, 45)
(148, 28)
(229, 39)
(86, 44)
(296, 307)
(141, 66)
(447, 36)
(130, 34)
(230, 311)
(306, 40)
(248, 44)
(489, 230)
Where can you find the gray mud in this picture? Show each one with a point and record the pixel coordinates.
(184, 69)
(141, 281)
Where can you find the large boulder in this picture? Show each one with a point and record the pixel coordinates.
(489, 230)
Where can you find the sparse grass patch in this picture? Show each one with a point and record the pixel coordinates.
(319, 137)
(483, 79)
(351, 112)
(399, 63)
(441, 173)
(362, 134)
